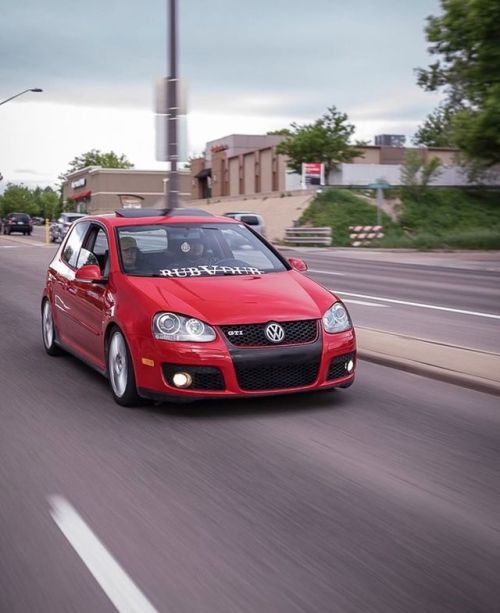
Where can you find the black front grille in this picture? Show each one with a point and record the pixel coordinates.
(204, 377)
(253, 335)
(338, 366)
(276, 376)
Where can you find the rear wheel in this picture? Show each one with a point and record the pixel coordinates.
(121, 370)
(49, 330)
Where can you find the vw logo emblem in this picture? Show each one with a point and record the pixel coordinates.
(274, 333)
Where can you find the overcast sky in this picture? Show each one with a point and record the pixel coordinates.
(249, 67)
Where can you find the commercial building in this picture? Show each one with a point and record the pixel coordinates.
(102, 190)
(239, 164)
(249, 165)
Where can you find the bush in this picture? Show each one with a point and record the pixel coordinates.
(445, 211)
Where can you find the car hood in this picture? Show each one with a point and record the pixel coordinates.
(281, 296)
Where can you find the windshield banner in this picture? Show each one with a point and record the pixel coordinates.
(202, 271)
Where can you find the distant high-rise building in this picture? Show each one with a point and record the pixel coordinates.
(390, 140)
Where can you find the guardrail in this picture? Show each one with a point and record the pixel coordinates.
(309, 236)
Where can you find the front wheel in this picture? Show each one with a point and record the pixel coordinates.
(49, 330)
(121, 370)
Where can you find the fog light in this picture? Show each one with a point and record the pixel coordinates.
(349, 366)
(182, 379)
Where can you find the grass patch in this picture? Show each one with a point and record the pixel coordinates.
(340, 209)
(447, 218)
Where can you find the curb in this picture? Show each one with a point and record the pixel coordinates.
(432, 371)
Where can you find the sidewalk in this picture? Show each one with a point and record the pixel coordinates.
(478, 370)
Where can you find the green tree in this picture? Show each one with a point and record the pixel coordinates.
(94, 157)
(50, 204)
(437, 129)
(325, 140)
(18, 199)
(417, 174)
(465, 40)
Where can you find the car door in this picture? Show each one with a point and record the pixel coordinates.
(62, 273)
(95, 301)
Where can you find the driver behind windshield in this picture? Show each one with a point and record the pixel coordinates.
(130, 254)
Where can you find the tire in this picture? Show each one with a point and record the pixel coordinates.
(49, 330)
(121, 370)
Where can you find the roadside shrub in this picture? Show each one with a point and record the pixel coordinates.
(442, 211)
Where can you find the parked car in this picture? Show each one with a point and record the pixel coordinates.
(17, 222)
(251, 219)
(167, 310)
(37, 221)
(58, 229)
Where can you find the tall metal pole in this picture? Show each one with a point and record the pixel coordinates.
(172, 146)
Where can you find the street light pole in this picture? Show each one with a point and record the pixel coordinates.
(34, 89)
(172, 145)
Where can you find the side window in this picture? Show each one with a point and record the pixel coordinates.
(98, 245)
(86, 257)
(101, 245)
(74, 243)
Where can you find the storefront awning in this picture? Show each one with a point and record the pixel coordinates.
(80, 195)
(203, 174)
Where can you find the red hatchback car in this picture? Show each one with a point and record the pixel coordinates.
(180, 304)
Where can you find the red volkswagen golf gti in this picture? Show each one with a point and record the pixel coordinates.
(180, 304)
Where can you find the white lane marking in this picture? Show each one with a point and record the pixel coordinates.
(373, 304)
(115, 582)
(8, 246)
(418, 304)
(324, 272)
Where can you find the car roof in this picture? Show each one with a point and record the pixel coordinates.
(136, 217)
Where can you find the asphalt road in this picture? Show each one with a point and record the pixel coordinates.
(380, 498)
(455, 305)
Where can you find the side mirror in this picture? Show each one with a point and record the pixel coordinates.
(89, 274)
(297, 264)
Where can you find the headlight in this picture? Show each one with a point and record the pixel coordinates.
(173, 327)
(337, 319)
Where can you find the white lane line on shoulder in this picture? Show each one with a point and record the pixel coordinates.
(8, 246)
(118, 586)
(325, 272)
(418, 304)
(363, 302)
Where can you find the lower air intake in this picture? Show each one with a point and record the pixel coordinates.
(276, 376)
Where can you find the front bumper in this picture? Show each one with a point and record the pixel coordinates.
(221, 370)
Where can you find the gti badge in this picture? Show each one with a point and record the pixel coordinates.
(274, 332)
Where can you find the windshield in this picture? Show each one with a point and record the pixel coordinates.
(194, 250)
